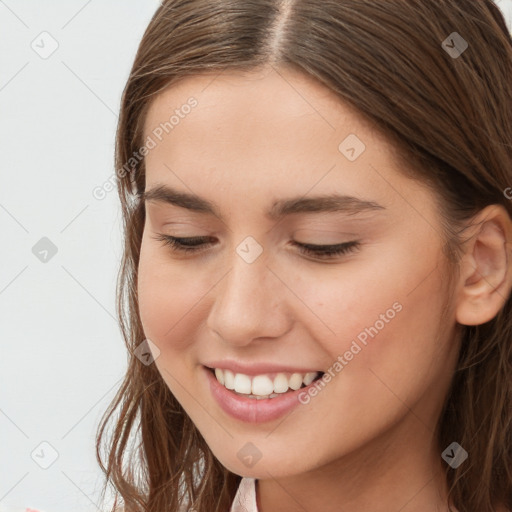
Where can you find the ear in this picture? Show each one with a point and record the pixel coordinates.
(485, 267)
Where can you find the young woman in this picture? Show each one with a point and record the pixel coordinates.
(316, 284)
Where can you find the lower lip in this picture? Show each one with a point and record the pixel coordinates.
(252, 410)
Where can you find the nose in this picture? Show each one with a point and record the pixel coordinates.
(249, 302)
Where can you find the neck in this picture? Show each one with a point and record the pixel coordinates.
(399, 471)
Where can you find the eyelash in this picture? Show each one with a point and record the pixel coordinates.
(318, 251)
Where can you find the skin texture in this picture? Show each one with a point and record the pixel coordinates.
(366, 441)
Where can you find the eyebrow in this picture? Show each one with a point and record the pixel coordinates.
(315, 204)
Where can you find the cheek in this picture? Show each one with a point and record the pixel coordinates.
(169, 299)
(377, 312)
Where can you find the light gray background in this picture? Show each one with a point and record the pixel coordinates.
(62, 355)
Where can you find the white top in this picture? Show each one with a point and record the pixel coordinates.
(245, 498)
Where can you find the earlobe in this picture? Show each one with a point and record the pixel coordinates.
(486, 267)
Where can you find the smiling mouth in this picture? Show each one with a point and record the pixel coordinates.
(264, 385)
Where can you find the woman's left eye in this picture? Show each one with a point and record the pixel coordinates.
(199, 243)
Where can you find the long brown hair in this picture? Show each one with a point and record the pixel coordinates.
(449, 118)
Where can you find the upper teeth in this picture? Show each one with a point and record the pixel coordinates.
(263, 385)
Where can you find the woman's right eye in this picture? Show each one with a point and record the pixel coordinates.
(191, 244)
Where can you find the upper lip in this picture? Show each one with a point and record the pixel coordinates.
(256, 368)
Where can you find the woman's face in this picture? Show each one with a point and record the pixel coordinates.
(252, 147)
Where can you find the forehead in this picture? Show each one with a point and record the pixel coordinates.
(264, 133)
(260, 110)
(286, 88)
(255, 102)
